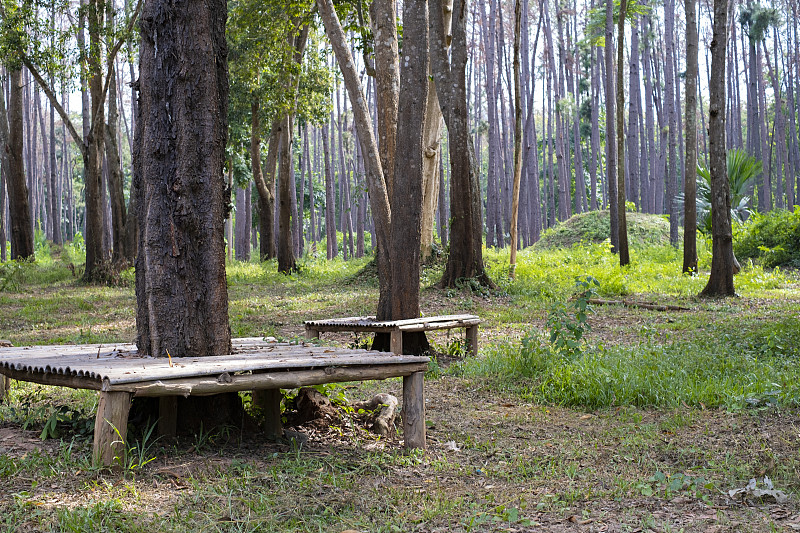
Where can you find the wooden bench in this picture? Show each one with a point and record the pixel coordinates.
(396, 328)
(120, 373)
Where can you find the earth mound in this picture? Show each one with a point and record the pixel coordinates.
(595, 226)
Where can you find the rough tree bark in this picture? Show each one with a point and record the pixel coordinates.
(286, 258)
(622, 239)
(287, 219)
(115, 178)
(690, 170)
(466, 241)
(611, 139)
(517, 138)
(379, 200)
(672, 121)
(181, 289)
(330, 199)
(21, 227)
(720, 282)
(408, 172)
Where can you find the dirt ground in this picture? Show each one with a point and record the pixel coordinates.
(506, 465)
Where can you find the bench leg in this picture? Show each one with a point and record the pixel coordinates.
(269, 401)
(414, 410)
(168, 416)
(112, 412)
(472, 340)
(396, 342)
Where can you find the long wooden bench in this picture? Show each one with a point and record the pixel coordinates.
(119, 373)
(396, 328)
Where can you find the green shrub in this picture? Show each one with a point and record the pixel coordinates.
(772, 238)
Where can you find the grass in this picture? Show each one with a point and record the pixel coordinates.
(656, 410)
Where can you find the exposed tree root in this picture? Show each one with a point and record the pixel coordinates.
(642, 305)
(384, 421)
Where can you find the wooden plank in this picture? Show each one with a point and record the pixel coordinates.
(396, 342)
(83, 373)
(222, 366)
(414, 410)
(472, 340)
(432, 326)
(203, 386)
(168, 416)
(111, 428)
(56, 380)
(269, 402)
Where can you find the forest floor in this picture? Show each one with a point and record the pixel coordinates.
(500, 457)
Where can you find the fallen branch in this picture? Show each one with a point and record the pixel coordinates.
(642, 305)
(388, 408)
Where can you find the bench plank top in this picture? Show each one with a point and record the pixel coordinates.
(110, 364)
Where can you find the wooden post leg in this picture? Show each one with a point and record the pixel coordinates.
(269, 401)
(5, 386)
(168, 416)
(112, 412)
(312, 333)
(414, 410)
(472, 340)
(396, 342)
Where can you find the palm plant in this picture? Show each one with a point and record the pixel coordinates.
(742, 169)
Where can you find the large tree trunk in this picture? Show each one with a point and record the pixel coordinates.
(690, 170)
(93, 155)
(387, 83)
(21, 230)
(407, 191)
(720, 283)
(181, 289)
(466, 242)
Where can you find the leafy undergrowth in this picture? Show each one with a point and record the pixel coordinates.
(628, 419)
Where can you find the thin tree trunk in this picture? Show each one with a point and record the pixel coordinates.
(286, 258)
(611, 134)
(466, 243)
(624, 255)
(517, 139)
(115, 178)
(690, 170)
(21, 226)
(634, 112)
(330, 199)
(672, 120)
(375, 176)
